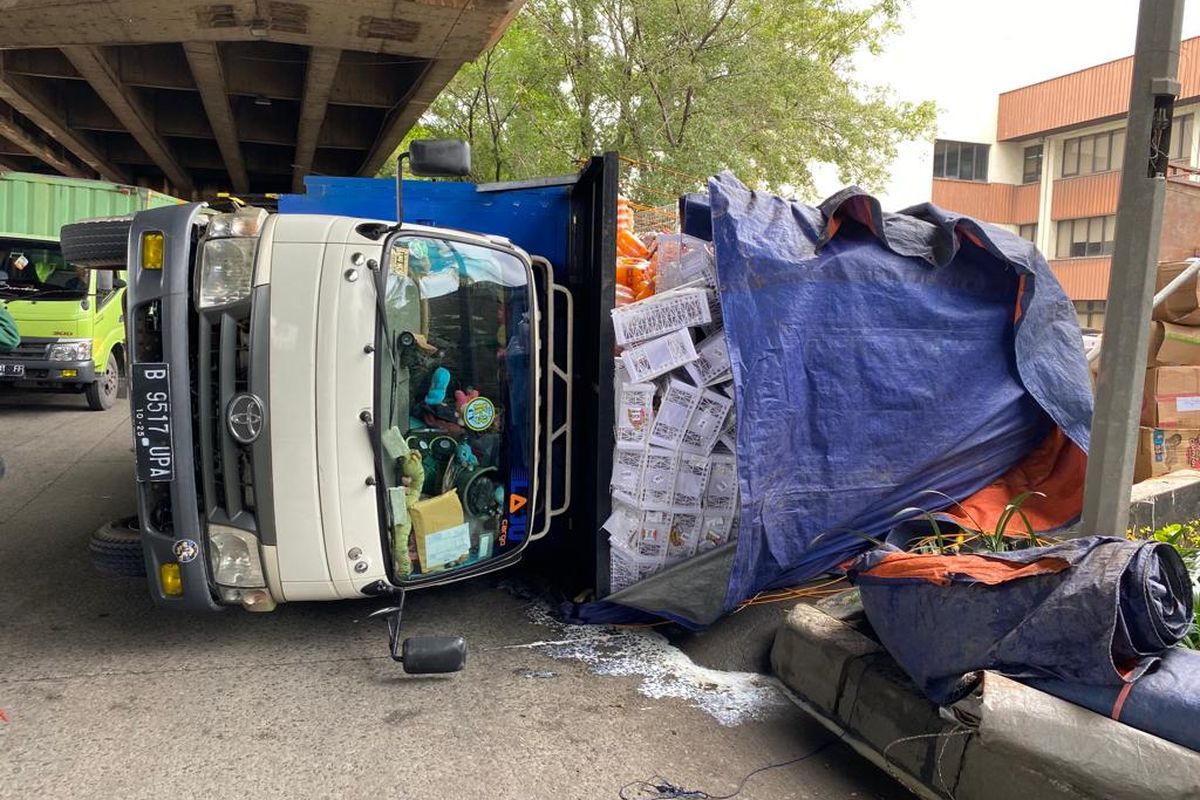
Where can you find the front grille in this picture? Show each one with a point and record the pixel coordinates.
(27, 351)
(222, 370)
(146, 329)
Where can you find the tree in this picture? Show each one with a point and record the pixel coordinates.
(683, 89)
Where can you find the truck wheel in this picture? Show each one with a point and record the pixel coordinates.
(102, 393)
(116, 548)
(97, 243)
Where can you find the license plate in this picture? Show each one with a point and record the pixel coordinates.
(12, 370)
(150, 395)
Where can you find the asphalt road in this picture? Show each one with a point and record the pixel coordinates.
(104, 695)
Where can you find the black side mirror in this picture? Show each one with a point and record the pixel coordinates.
(418, 655)
(118, 283)
(439, 158)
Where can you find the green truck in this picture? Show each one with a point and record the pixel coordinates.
(70, 319)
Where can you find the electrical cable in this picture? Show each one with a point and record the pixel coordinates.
(663, 788)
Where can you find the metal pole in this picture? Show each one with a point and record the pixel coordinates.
(400, 187)
(1135, 256)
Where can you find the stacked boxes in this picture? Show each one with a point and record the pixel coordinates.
(674, 479)
(1170, 435)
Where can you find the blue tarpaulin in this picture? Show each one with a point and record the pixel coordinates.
(1165, 701)
(875, 357)
(1093, 621)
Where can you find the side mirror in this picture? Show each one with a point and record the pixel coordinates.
(119, 284)
(439, 158)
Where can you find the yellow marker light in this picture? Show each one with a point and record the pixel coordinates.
(170, 579)
(152, 250)
(70, 373)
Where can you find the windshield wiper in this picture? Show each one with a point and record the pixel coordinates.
(368, 420)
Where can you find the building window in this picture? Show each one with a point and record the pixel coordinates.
(1091, 236)
(1096, 152)
(1032, 172)
(1028, 232)
(1181, 138)
(1090, 313)
(962, 161)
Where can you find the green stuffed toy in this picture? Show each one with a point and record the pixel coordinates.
(412, 478)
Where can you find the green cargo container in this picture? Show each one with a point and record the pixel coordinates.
(70, 320)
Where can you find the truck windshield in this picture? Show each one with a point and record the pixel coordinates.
(455, 402)
(36, 269)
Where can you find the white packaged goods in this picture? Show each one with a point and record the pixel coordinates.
(683, 259)
(684, 536)
(650, 539)
(712, 361)
(707, 422)
(660, 314)
(658, 479)
(674, 482)
(620, 375)
(635, 412)
(659, 356)
(728, 435)
(721, 493)
(714, 531)
(621, 524)
(674, 412)
(691, 480)
(627, 568)
(627, 471)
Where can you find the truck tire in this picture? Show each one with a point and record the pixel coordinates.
(102, 392)
(97, 243)
(116, 548)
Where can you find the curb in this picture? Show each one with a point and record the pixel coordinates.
(1004, 741)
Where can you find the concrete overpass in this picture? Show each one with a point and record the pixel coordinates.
(247, 95)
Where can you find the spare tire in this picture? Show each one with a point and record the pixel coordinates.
(97, 243)
(116, 548)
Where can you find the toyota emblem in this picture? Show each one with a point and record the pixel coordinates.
(245, 416)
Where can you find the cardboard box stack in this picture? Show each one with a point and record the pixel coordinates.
(674, 479)
(1170, 435)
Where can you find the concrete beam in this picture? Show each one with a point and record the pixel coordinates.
(96, 69)
(318, 81)
(205, 63)
(14, 133)
(32, 101)
(397, 28)
(423, 91)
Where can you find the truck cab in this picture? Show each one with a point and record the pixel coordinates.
(70, 321)
(70, 317)
(331, 406)
(327, 407)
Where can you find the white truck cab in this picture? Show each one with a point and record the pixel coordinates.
(328, 408)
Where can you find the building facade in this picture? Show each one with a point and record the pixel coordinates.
(1052, 173)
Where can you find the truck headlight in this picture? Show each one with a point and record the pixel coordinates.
(226, 271)
(245, 222)
(227, 258)
(78, 350)
(233, 556)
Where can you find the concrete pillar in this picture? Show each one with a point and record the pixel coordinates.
(1047, 234)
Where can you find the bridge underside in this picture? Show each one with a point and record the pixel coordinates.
(248, 96)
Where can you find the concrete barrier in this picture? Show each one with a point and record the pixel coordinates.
(1005, 741)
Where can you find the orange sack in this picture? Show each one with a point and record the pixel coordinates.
(629, 245)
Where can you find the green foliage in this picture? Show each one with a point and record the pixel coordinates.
(683, 88)
(996, 540)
